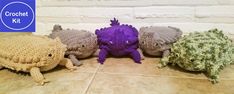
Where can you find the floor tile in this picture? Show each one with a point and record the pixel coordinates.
(118, 76)
(148, 67)
(227, 72)
(89, 65)
(125, 84)
(62, 81)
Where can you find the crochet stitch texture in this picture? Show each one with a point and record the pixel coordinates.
(80, 43)
(118, 40)
(29, 53)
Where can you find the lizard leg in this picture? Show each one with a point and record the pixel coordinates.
(74, 60)
(141, 53)
(96, 53)
(68, 64)
(1, 66)
(102, 56)
(166, 53)
(213, 74)
(37, 76)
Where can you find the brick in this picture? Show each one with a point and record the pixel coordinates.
(193, 15)
(84, 12)
(225, 2)
(185, 2)
(45, 29)
(214, 11)
(191, 27)
(40, 29)
(38, 3)
(227, 20)
(124, 3)
(163, 12)
(107, 20)
(79, 26)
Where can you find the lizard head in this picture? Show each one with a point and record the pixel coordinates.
(83, 47)
(53, 53)
(118, 41)
(149, 40)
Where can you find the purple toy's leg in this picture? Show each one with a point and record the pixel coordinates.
(136, 56)
(102, 56)
(141, 53)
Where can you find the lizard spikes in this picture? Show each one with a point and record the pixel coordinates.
(36, 59)
(114, 22)
(15, 59)
(57, 28)
(28, 59)
(22, 59)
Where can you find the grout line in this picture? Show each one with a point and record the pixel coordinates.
(144, 75)
(91, 81)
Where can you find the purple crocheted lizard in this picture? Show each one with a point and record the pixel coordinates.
(118, 40)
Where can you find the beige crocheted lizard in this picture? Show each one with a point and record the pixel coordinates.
(157, 40)
(30, 53)
(80, 43)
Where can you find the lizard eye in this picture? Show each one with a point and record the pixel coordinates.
(111, 42)
(127, 42)
(83, 45)
(156, 44)
(95, 41)
(50, 55)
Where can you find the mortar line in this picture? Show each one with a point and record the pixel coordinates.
(168, 76)
(91, 81)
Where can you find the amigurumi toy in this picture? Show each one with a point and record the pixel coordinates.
(118, 40)
(157, 40)
(202, 51)
(80, 43)
(30, 53)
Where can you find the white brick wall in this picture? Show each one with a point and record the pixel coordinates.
(189, 15)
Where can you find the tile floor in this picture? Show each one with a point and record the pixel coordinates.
(118, 76)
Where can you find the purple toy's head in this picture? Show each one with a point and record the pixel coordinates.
(117, 37)
(119, 41)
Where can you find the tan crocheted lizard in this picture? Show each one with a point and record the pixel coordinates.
(30, 53)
